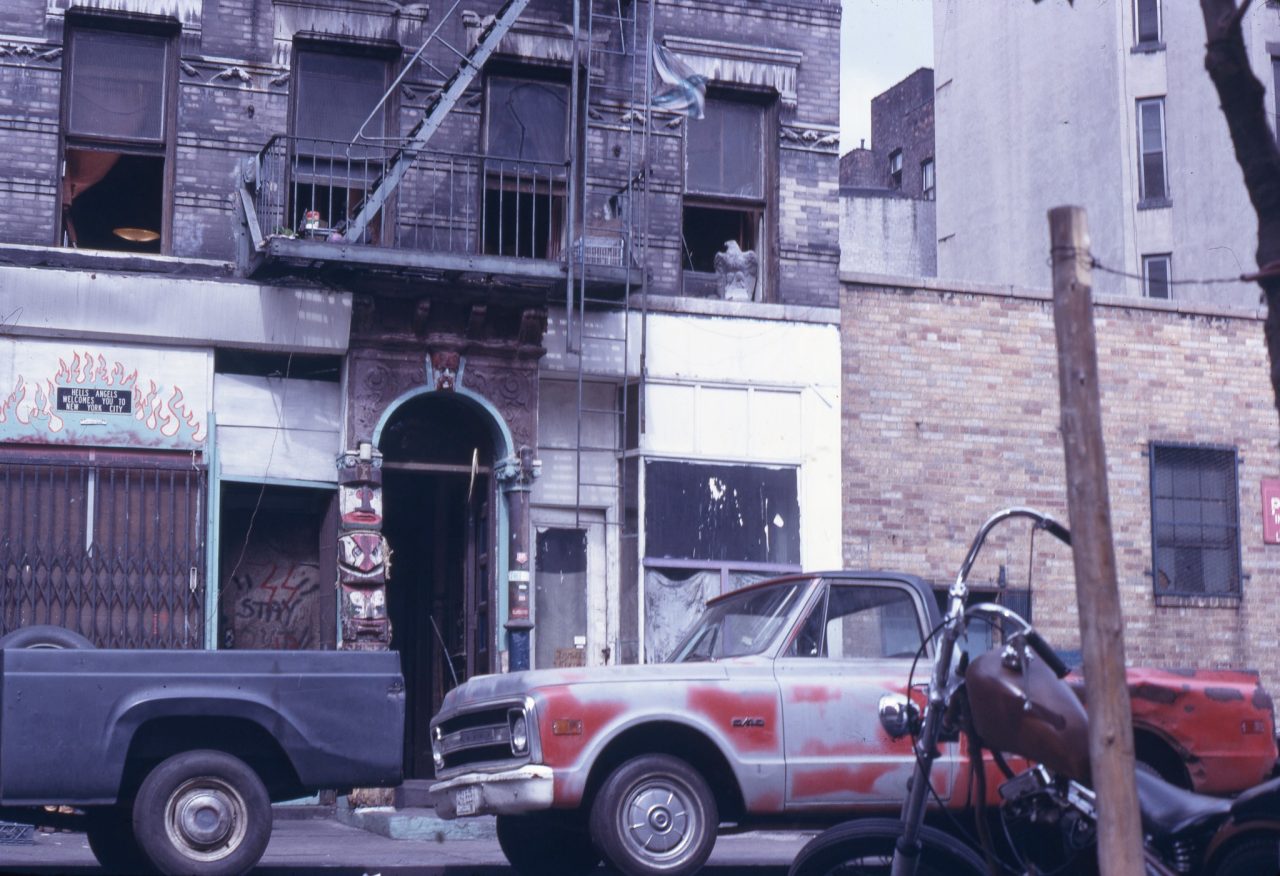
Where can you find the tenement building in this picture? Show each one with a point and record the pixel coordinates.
(501, 334)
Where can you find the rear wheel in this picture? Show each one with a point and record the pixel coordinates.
(865, 848)
(655, 816)
(202, 813)
(110, 833)
(1255, 856)
(547, 843)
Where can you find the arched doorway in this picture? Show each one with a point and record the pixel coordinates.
(439, 518)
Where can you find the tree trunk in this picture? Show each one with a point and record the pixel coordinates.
(1243, 105)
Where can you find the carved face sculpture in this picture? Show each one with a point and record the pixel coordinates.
(360, 505)
(364, 615)
(362, 556)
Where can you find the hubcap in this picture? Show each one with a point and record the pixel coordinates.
(205, 818)
(659, 821)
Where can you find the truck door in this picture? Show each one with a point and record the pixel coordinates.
(856, 644)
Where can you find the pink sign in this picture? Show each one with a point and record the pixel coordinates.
(1271, 510)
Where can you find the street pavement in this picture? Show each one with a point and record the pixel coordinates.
(324, 845)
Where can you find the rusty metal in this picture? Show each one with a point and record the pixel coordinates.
(111, 548)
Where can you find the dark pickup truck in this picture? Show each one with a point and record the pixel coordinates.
(174, 757)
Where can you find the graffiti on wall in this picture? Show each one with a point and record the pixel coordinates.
(274, 606)
(108, 397)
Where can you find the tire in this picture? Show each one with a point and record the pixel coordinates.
(547, 844)
(44, 636)
(1257, 855)
(202, 813)
(655, 816)
(110, 833)
(865, 848)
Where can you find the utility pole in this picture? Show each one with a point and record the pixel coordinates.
(1089, 509)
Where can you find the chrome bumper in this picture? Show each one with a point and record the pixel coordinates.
(528, 789)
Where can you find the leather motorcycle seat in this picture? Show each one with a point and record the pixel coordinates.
(1260, 801)
(1168, 809)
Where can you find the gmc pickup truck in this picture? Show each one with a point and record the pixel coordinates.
(766, 712)
(174, 757)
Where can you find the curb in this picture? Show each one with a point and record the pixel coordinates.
(415, 824)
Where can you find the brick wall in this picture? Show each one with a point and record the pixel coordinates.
(951, 413)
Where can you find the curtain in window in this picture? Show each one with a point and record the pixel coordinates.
(117, 85)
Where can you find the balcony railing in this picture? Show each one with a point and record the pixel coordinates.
(447, 202)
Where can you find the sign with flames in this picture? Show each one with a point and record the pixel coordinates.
(51, 393)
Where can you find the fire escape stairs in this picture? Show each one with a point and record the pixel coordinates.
(469, 64)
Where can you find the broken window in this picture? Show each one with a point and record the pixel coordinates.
(335, 162)
(711, 529)
(1195, 520)
(725, 190)
(525, 177)
(116, 139)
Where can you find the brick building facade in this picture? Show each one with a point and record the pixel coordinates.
(951, 412)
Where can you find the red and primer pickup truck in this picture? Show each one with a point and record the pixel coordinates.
(767, 711)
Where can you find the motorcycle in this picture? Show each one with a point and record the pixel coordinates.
(1011, 701)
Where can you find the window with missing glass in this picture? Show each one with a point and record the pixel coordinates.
(336, 97)
(1156, 275)
(1152, 184)
(1195, 522)
(725, 201)
(117, 95)
(525, 176)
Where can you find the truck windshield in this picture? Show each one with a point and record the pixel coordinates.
(740, 625)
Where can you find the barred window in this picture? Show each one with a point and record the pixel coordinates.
(1195, 520)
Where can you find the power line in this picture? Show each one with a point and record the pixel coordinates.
(1092, 262)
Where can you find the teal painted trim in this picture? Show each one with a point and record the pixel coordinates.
(212, 539)
(285, 482)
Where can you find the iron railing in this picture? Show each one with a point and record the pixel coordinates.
(447, 201)
(114, 552)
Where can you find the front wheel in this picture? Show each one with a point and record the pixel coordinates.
(547, 844)
(655, 816)
(202, 813)
(865, 848)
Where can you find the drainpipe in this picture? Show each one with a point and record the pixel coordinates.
(516, 474)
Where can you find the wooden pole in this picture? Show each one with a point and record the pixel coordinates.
(1089, 510)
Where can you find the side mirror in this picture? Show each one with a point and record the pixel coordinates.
(899, 716)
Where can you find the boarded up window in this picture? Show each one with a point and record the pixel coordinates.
(560, 591)
(735, 513)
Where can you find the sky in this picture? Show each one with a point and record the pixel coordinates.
(881, 42)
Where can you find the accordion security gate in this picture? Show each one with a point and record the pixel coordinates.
(111, 548)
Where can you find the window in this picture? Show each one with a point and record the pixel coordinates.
(1156, 275)
(560, 598)
(710, 529)
(526, 145)
(1146, 21)
(725, 196)
(895, 169)
(1195, 520)
(926, 179)
(1151, 162)
(334, 92)
(116, 125)
(857, 621)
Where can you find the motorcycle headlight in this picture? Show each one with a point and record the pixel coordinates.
(437, 755)
(519, 731)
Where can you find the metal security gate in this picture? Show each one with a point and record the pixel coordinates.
(110, 545)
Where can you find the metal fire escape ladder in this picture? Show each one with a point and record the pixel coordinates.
(611, 226)
(455, 85)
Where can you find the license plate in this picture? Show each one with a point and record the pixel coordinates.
(466, 800)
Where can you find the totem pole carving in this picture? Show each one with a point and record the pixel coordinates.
(364, 557)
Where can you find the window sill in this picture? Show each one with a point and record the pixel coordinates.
(1146, 48)
(1176, 600)
(1155, 204)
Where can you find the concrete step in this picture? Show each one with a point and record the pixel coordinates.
(416, 822)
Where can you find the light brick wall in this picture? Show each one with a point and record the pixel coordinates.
(951, 413)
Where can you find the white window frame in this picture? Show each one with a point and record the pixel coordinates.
(1143, 151)
(1137, 28)
(928, 180)
(895, 168)
(1147, 261)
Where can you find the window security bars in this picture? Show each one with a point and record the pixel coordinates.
(1195, 520)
